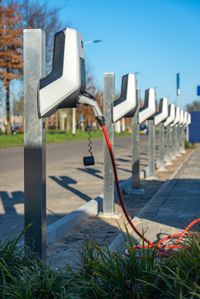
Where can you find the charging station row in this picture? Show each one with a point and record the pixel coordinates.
(66, 87)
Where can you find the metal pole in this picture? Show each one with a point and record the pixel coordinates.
(187, 134)
(34, 145)
(183, 139)
(151, 148)
(180, 140)
(177, 139)
(161, 146)
(73, 121)
(173, 144)
(167, 144)
(123, 125)
(109, 97)
(136, 148)
(171, 140)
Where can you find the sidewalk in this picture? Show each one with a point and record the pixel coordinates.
(173, 207)
(105, 230)
(176, 205)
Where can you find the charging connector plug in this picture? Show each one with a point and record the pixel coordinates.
(88, 100)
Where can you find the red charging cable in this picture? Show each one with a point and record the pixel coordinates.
(160, 243)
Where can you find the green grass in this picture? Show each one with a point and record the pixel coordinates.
(102, 275)
(189, 145)
(11, 140)
(52, 137)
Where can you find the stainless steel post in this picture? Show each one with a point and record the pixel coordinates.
(173, 142)
(151, 148)
(34, 145)
(136, 148)
(73, 121)
(183, 139)
(180, 139)
(161, 145)
(167, 144)
(171, 132)
(177, 139)
(109, 96)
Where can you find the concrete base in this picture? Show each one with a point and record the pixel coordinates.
(168, 163)
(109, 215)
(136, 191)
(151, 178)
(162, 169)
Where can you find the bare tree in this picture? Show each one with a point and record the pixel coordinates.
(41, 15)
(92, 88)
(16, 15)
(10, 51)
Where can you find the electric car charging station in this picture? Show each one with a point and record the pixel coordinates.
(46, 94)
(187, 126)
(181, 131)
(114, 110)
(147, 113)
(167, 124)
(174, 126)
(60, 89)
(159, 119)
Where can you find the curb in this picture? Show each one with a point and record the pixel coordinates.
(60, 227)
(65, 224)
(119, 243)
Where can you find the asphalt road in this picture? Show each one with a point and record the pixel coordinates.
(69, 183)
(11, 159)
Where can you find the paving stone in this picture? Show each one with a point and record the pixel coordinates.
(99, 228)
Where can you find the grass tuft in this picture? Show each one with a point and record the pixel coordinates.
(102, 274)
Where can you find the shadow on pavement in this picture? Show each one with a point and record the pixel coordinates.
(92, 171)
(66, 182)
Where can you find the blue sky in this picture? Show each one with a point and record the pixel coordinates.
(156, 38)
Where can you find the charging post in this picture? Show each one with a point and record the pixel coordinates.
(161, 146)
(159, 119)
(34, 145)
(151, 148)
(174, 132)
(187, 126)
(180, 131)
(147, 113)
(167, 124)
(184, 130)
(136, 145)
(109, 97)
(177, 128)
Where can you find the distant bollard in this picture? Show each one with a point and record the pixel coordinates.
(109, 97)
